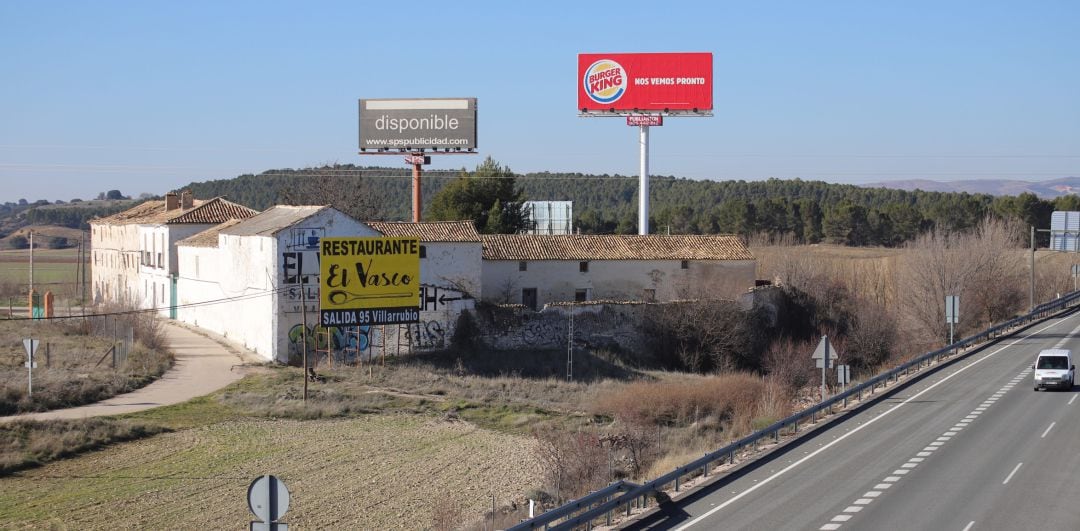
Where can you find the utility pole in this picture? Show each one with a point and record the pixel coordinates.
(31, 266)
(303, 333)
(570, 348)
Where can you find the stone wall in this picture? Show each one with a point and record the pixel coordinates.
(597, 325)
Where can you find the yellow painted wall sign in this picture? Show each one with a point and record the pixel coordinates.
(369, 281)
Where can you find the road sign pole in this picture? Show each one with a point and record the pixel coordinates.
(643, 192)
(824, 367)
(30, 370)
(416, 198)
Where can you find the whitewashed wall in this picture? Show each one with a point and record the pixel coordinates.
(153, 288)
(559, 280)
(114, 262)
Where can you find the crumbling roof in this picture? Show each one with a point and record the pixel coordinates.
(429, 231)
(273, 220)
(208, 237)
(216, 210)
(614, 247)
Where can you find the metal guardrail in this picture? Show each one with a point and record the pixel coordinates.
(609, 499)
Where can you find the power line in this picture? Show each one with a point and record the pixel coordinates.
(156, 310)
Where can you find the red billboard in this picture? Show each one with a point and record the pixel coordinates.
(638, 82)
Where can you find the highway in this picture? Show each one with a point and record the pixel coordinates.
(969, 447)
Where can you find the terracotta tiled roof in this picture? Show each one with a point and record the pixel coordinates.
(208, 237)
(429, 231)
(216, 210)
(613, 247)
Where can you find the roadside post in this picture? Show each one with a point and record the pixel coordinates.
(952, 313)
(31, 346)
(824, 354)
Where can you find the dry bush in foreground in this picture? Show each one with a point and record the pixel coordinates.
(572, 462)
(728, 397)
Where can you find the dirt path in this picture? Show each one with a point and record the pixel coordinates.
(203, 365)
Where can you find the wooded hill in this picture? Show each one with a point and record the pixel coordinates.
(805, 211)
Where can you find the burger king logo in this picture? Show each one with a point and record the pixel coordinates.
(605, 81)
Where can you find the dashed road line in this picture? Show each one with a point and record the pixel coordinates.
(1048, 430)
(838, 520)
(1006, 482)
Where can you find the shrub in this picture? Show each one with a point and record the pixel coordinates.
(573, 462)
(727, 397)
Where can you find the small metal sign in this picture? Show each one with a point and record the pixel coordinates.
(31, 346)
(952, 309)
(819, 353)
(268, 499)
(644, 119)
(843, 374)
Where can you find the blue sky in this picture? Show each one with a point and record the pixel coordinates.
(147, 96)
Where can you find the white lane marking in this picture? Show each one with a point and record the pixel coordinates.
(829, 527)
(1070, 400)
(853, 509)
(892, 478)
(882, 486)
(930, 448)
(949, 433)
(917, 459)
(944, 438)
(935, 443)
(863, 501)
(856, 430)
(923, 454)
(906, 465)
(1006, 482)
(1044, 433)
(872, 493)
(969, 526)
(841, 518)
(900, 472)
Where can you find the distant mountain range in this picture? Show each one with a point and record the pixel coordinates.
(1044, 189)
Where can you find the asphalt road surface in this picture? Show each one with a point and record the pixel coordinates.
(970, 447)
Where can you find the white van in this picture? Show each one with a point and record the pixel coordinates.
(1054, 368)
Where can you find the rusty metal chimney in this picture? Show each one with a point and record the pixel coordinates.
(186, 200)
(172, 202)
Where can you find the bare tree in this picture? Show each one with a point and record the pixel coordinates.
(340, 187)
(983, 268)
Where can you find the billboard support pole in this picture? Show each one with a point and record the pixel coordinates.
(416, 204)
(643, 192)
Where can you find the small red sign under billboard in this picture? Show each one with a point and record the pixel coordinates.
(645, 119)
(645, 82)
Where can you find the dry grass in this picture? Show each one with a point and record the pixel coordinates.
(25, 443)
(69, 373)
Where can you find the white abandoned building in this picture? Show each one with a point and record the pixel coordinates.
(534, 270)
(253, 281)
(133, 259)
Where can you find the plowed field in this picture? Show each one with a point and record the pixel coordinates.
(373, 472)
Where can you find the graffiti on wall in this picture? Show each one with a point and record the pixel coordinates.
(300, 264)
(426, 335)
(344, 343)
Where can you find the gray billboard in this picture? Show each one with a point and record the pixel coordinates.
(417, 124)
